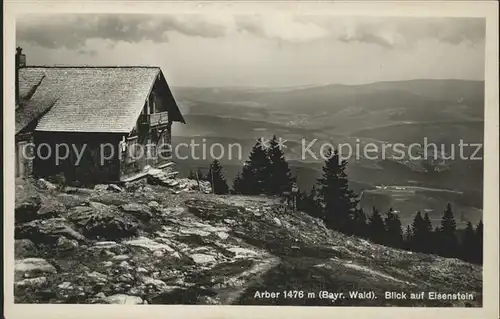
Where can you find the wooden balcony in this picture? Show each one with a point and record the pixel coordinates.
(148, 121)
(160, 118)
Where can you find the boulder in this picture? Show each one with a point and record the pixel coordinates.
(36, 282)
(47, 231)
(65, 285)
(125, 278)
(142, 270)
(100, 295)
(120, 257)
(111, 199)
(194, 231)
(33, 267)
(97, 277)
(50, 208)
(154, 206)
(45, 185)
(106, 244)
(156, 284)
(27, 209)
(115, 188)
(277, 221)
(104, 221)
(135, 185)
(203, 258)
(140, 211)
(243, 252)
(79, 190)
(125, 265)
(70, 200)
(222, 235)
(149, 244)
(24, 248)
(213, 211)
(101, 187)
(108, 187)
(65, 244)
(123, 299)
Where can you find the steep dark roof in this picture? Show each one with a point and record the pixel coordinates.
(87, 99)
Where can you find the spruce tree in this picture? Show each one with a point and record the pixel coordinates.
(237, 184)
(255, 174)
(311, 204)
(280, 177)
(338, 201)
(359, 224)
(417, 230)
(447, 239)
(217, 179)
(428, 236)
(408, 237)
(376, 227)
(394, 233)
(421, 233)
(478, 256)
(468, 244)
(302, 200)
(427, 223)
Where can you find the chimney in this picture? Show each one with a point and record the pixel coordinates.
(20, 63)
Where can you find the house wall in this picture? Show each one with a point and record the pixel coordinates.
(83, 157)
(24, 154)
(147, 137)
(145, 149)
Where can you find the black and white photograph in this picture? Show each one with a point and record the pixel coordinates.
(252, 159)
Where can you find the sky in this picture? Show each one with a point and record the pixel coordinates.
(278, 50)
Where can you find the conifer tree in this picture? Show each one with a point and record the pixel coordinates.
(302, 201)
(237, 184)
(408, 237)
(255, 174)
(468, 245)
(428, 237)
(376, 227)
(338, 201)
(217, 179)
(421, 233)
(447, 239)
(427, 223)
(310, 204)
(478, 256)
(417, 230)
(394, 233)
(280, 177)
(359, 225)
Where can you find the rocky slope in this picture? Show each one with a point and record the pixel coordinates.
(143, 244)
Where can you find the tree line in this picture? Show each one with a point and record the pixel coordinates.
(267, 172)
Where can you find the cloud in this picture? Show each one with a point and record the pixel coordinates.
(279, 27)
(86, 51)
(72, 31)
(250, 24)
(392, 32)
